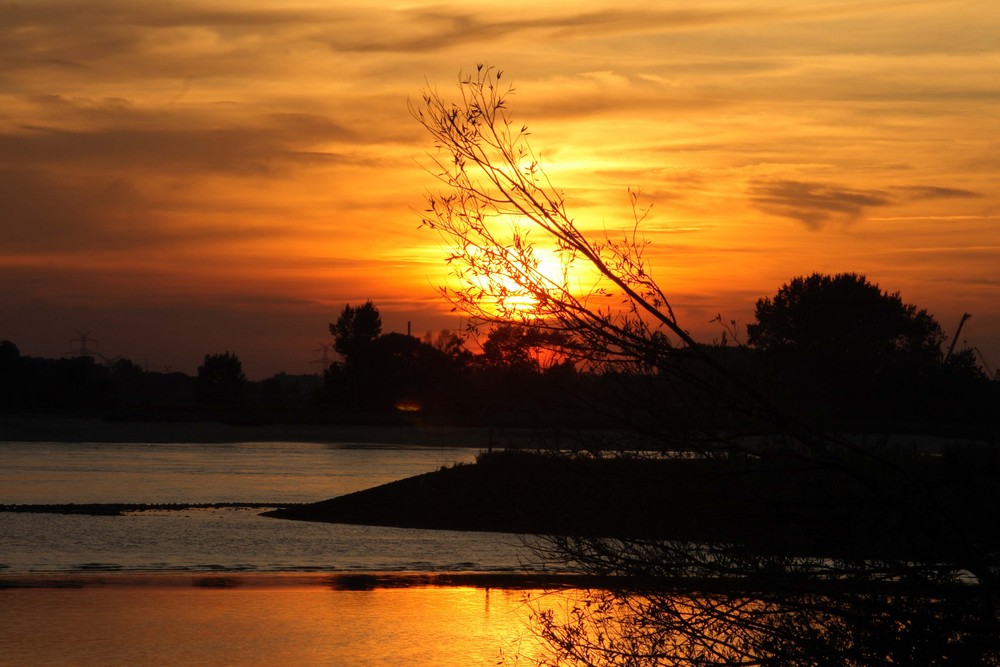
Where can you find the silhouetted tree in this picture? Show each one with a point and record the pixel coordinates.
(451, 344)
(402, 369)
(511, 346)
(396, 370)
(220, 380)
(355, 329)
(847, 349)
(846, 324)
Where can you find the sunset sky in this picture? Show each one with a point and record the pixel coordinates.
(184, 177)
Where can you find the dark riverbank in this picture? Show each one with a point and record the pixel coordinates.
(780, 505)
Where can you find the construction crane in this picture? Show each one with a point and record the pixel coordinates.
(989, 371)
(961, 323)
(979, 355)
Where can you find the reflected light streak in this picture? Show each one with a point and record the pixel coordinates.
(212, 624)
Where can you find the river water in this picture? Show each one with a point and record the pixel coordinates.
(225, 586)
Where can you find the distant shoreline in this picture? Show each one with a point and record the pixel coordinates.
(67, 429)
(39, 429)
(337, 580)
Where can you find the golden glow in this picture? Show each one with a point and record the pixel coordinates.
(166, 169)
(511, 281)
(240, 621)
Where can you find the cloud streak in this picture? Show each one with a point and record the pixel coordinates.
(438, 30)
(816, 204)
(232, 149)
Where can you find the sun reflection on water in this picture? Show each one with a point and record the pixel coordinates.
(238, 621)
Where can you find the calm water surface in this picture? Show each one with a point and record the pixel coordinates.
(222, 539)
(174, 618)
(57, 472)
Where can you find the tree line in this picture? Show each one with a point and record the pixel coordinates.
(835, 348)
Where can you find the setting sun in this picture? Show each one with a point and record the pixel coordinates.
(510, 283)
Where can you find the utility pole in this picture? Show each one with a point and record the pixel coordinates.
(324, 349)
(82, 338)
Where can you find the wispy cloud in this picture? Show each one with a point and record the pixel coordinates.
(234, 149)
(422, 30)
(814, 203)
(921, 192)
